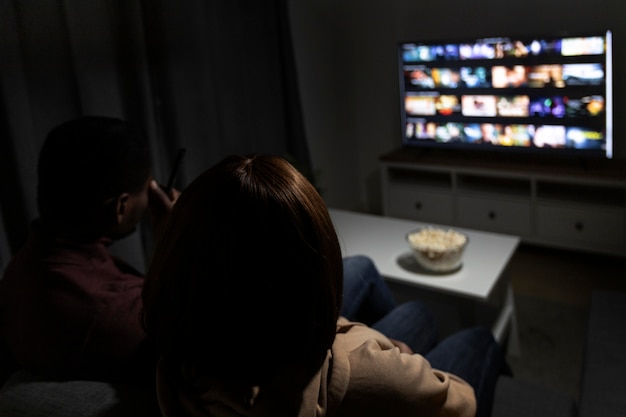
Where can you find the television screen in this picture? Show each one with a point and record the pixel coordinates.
(525, 94)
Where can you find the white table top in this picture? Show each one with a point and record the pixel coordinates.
(383, 239)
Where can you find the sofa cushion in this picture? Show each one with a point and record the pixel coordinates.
(26, 394)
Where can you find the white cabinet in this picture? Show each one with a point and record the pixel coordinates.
(562, 204)
(432, 205)
(497, 215)
(585, 216)
(578, 227)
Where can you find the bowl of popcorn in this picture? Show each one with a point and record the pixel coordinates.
(436, 249)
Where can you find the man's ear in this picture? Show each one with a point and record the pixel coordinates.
(121, 207)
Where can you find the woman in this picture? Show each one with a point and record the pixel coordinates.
(243, 298)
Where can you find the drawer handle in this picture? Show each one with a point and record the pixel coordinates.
(418, 205)
(579, 226)
(491, 215)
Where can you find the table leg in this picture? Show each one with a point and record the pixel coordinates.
(506, 324)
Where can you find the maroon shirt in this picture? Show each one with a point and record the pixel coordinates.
(72, 310)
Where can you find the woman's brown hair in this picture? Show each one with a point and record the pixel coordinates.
(247, 278)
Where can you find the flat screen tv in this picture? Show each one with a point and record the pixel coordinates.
(547, 94)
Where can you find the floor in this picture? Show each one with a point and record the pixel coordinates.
(552, 291)
(564, 277)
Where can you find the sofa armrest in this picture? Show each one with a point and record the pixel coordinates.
(519, 398)
(26, 394)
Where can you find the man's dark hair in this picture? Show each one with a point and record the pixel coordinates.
(86, 161)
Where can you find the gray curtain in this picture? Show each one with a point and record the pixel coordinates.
(214, 76)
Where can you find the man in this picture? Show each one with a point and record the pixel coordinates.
(68, 307)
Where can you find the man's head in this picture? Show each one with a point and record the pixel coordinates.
(93, 176)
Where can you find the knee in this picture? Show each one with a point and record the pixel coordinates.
(361, 261)
(415, 308)
(418, 313)
(480, 336)
(360, 265)
(483, 333)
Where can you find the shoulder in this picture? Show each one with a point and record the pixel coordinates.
(59, 271)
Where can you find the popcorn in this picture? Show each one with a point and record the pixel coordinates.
(437, 250)
(437, 240)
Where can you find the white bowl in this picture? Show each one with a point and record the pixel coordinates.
(436, 249)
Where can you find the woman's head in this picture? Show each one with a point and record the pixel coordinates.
(248, 274)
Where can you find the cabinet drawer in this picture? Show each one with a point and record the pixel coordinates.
(586, 226)
(420, 204)
(497, 215)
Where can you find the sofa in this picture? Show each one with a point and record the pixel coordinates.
(603, 388)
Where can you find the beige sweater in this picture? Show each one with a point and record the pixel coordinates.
(363, 375)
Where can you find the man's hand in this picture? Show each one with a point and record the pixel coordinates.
(161, 205)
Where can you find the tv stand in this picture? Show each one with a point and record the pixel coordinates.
(564, 203)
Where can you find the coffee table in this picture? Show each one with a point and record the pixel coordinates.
(482, 278)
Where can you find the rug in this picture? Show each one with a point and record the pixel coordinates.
(552, 339)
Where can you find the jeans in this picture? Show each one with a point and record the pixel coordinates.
(367, 299)
(471, 354)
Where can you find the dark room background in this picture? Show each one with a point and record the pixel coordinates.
(215, 77)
